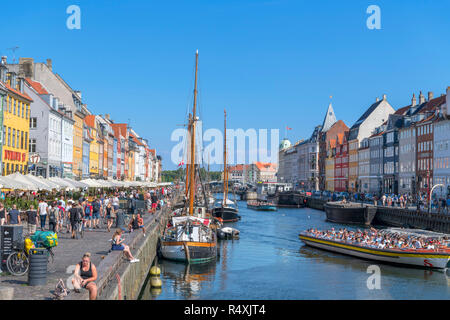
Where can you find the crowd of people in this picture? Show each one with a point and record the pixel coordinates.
(63, 215)
(437, 204)
(373, 238)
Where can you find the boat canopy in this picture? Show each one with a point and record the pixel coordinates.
(178, 220)
(228, 202)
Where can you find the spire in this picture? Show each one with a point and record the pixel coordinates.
(329, 119)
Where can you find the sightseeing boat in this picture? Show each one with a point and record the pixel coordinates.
(191, 237)
(225, 208)
(426, 258)
(261, 205)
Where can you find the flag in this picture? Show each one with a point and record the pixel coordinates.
(181, 163)
(287, 128)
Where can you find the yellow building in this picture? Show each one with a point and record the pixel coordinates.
(16, 127)
(353, 165)
(94, 147)
(77, 165)
(131, 164)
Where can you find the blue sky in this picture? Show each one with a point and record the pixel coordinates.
(272, 64)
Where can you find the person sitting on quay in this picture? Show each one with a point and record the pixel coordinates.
(136, 223)
(118, 245)
(85, 274)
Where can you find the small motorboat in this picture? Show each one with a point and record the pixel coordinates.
(227, 233)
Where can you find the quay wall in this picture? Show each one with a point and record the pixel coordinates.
(315, 203)
(398, 217)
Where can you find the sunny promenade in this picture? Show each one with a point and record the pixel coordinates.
(69, 252)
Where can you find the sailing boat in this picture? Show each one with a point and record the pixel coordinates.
(225, 208)
(191, 238)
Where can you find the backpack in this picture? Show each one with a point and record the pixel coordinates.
(96, 206)
(52, 215)
(79, 214)
(87, 210)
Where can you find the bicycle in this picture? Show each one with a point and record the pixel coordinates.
(18, 262)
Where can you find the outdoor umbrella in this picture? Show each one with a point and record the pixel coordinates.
(27, 184)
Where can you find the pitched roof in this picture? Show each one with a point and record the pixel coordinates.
(402, 111)
(90, 120)
(432, 104)
(21, 94)
(329, 120)
(266, 166)
(37, 86)
(366, 114)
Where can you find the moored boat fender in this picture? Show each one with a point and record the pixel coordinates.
(155, 271)
(155, 282)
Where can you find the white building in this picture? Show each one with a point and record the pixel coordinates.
(51, 132)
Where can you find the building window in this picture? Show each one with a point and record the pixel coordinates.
(21, 139)
(14, 138)
(23, 110)
(26, 141)
(32, 145)
(33, 123)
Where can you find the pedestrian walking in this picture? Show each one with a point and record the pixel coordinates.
(2, 214)
(14, 215)
(32, 219)
(42, 212)
(53, 217)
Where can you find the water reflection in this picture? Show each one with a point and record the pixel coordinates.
(186, 281)
(270, 262)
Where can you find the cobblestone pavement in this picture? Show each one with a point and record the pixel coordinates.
(68, 252)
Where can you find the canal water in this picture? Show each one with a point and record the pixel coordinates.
(270, 262)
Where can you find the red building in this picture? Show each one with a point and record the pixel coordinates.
(424, 154)
(341, 163)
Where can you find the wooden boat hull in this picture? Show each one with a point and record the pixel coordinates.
(350, 214)
(419, 258)
(262, 207)
(197, 252)
(226, 214)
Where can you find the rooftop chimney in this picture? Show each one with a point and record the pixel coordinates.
(421, 98)
(384, 97)
(49, 64)
(377, 99)
(413, 100)
(4, 60)
(430, 95)
(107, 116)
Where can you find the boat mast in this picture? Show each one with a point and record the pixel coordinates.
(187, 157)
(192, 168)
(225, 170)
